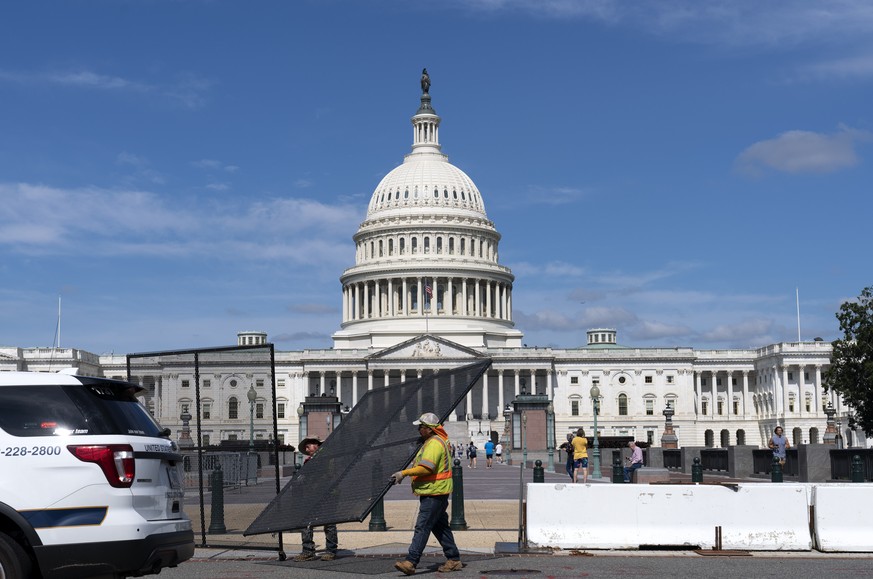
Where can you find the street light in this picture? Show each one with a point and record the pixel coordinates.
(252, 395)
(521, 482)
(300, 412)
(595, 452)
(550, 434)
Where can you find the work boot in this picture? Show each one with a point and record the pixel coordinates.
(450, 565)
(328, 556)
(405, 566)
(305, 556)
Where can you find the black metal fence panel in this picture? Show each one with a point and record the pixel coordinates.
(714, 459)
(841, 462)
(351, 471)
(673, 458)
(762, 462)
(247, 471)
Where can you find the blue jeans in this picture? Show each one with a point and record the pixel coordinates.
(432, 518)
(330, 537)
(628, 471)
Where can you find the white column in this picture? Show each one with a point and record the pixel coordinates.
(488, 285)
(391, 305)
(477, 304)
(517, 383)
(485, 411)
(369, 380)
(699, 393)
(549, 385)
(448, 297)
(366, 300)
(784, 390)
(817, 393)
(354, 387)
(355, 301)
(420, 292)
(321, 376)
(405, 303)
(745, 394)
(500, 403)
(730, 393)
(464, 296)
(433, 299)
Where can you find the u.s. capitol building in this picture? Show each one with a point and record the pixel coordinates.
(427, 292)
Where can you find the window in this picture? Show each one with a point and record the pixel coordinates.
(574, 408)
(280, 410)
(207, 410)
(670, 379)
(259, 410)
(704, 407)
(733, 381)
(259, 383)
(574, 379)
(791, 404)
(621, 379)
(791, 375)
(736, 407)
(280, 383)
(806, 376)
(650, 407)
(205, 440)
(622, 405)
(232, 409)
(186, 384)
(808, 403)
(720, 407)
(703, 381)
(648, 380)
(718, 381)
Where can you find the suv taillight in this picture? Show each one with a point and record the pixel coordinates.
(116, 461)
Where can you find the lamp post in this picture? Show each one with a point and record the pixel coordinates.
(550, 434)
(252, 395)
(595, 452)
(521, 483)
(300, 412)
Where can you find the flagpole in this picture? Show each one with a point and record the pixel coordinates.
(797, 298)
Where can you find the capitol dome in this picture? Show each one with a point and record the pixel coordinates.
(426, 258)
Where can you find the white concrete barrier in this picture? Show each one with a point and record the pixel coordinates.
(843, 517)
(756, 516)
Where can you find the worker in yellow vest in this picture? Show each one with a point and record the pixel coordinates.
(431, 474)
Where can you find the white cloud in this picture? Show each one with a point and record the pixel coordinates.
(803, 152)
(715, 22)
(848, 68)
(37, 219)
(538, 194)
(186, 89)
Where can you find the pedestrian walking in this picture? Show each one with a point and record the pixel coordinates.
(489, 453)
(471, 454)
(568, 448)
(498, 452)
(431, 474)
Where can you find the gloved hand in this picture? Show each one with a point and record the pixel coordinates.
(397, 477)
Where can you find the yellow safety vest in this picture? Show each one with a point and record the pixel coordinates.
(439, 482)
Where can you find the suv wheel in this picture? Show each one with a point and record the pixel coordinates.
(14, 563)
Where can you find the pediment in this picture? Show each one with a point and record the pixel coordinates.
(427, 347)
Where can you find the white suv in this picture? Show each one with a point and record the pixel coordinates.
(90, 484)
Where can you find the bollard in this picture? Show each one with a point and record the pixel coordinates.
(539, 474)
(776, 471)
(458, 523)
(857, 469)
(697, 471)
(617, 470)
(377, 517)
(216, 517)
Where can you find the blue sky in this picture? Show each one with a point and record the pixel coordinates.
(178, 171)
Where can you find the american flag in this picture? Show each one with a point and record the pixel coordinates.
(428, 291)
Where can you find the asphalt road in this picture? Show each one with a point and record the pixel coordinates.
(636, 564)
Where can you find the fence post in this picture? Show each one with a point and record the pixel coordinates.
(617, 470)
(458, 522)
(377, 517)
(857, 469)
(697, 471)
(776, 471)
(539, 472)
(216, 516)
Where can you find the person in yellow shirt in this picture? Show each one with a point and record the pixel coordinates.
(431, 474)
(580, 456)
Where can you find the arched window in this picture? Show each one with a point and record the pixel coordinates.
(725, 438)
(741, 437)
(813, 435)
(463, 245)
(414, 245)
(380, 248)
(427, 244)
(708, 438)
(439, 243)
(232, 408)
(622, 404)
(390, 247)
(451, 246)
(402, 246)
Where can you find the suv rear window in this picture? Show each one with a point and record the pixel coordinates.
(96, 408)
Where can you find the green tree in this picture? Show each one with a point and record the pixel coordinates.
(851, 370)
